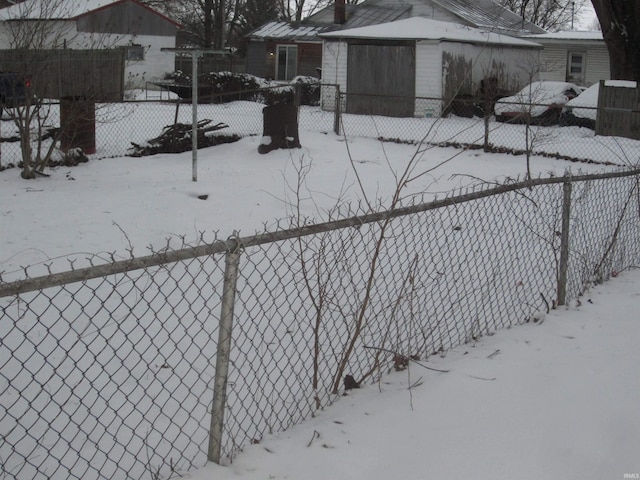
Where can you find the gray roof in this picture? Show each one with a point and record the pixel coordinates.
(420, 28)
(482, 14)
(487, 14)
(308, 30)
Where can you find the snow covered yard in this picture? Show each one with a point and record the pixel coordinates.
(100, 211)
(113, 204)
(534, 402)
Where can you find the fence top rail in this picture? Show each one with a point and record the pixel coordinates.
(236, 244)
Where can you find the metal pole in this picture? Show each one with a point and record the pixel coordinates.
(194, 121)
(336, 113)
(564, 245)
(195, 53)
(232, 261)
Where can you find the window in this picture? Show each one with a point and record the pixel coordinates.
(134, 52)
(286, 62)
(575, 67)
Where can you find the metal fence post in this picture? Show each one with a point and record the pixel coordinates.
(336, 113)
(232, 261)
(564, 244)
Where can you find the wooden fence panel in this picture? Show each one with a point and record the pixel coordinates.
(618, 111)
(96, 75)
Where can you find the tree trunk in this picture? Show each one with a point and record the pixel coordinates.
(208, 23)
(620, 22)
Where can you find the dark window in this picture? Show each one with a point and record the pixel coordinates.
(135, 52)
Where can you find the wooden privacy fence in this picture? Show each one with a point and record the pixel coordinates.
(96, 74)
(618, 111)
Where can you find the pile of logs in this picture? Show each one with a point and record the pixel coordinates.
(177, 138)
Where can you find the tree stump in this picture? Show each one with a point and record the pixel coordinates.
(77, 124)
(280, 128)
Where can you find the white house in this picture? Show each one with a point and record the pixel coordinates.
(396, 68)
(577, 57)
(94, 24)
(282, 50)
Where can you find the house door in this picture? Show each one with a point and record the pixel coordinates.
(381, 79)
(576, 68)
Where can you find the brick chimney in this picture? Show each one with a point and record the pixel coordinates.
(339, 12)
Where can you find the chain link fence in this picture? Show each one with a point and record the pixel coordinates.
(147, 367)
(119, 125)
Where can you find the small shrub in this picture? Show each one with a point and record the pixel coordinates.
(222, 87)
(309, 90)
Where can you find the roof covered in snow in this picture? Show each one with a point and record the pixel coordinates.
(419, 28)
(571, 35)
(61, 9)
(483, 14)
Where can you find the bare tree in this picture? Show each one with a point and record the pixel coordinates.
(38, 43)
(620, 21)
(296, 10)
(549, 14)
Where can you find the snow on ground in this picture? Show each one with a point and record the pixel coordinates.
(108, 205)
(557, 400)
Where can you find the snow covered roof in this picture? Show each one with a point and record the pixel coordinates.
(419, 28)
(62, 9)
(568, 35)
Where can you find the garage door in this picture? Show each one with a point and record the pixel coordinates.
(381, 79)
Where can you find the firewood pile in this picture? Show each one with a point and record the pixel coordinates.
(177, 138)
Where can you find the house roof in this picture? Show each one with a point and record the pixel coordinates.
(361, 15)
(483, 14)
(309, 29)
(419, 28)
(488, 15)
(568, 36)
(291, 31)
(64, 9)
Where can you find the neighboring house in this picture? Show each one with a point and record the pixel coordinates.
(577, 57)
(281, 50)
(399, 68)
(94, 24)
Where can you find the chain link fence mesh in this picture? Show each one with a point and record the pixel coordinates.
(120, 125)
(110, 373)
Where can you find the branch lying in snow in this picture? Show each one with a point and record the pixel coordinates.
(313, 437)
(396, 354)
(419, 382)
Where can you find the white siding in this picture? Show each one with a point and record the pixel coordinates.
(334, 70)
(554, 61)
(514, 67)
(65, 35)
(155, 64)
(428, 78)
(597, 65)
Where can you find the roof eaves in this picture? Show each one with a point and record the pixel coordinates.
(117, 2)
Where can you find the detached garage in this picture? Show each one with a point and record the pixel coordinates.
(397, 68)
